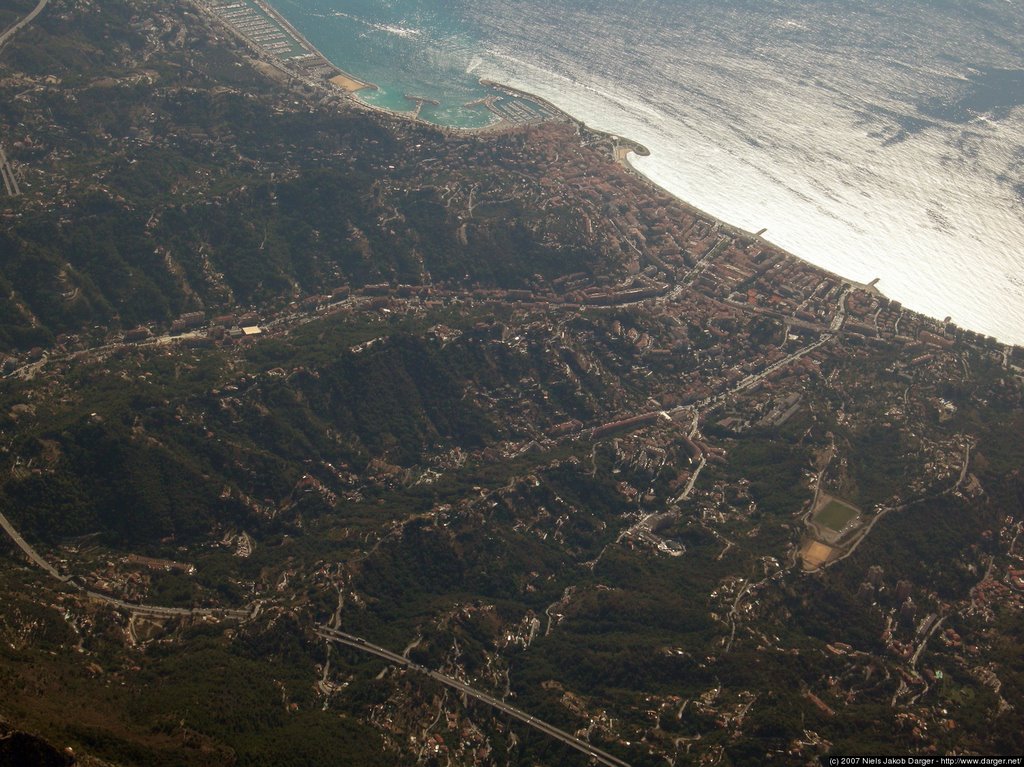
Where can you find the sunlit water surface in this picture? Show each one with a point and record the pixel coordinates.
(875, 139)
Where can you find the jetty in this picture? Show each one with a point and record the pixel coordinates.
(419, 101)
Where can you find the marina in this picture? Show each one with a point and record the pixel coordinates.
(262, 28)
(271, 35)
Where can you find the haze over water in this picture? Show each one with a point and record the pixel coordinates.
(875, 139)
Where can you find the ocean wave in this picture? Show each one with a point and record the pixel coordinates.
(391, 29)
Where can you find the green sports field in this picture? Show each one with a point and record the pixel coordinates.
(836, 515)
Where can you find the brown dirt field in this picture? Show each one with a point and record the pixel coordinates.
(815, 554)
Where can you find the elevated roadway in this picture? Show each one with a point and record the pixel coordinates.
(13, 30)
(30, 552)
(358, 643)
(155, 611)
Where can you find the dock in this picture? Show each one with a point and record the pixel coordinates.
(420, 101)
(270, 34)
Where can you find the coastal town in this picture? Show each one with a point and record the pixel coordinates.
(507, 457)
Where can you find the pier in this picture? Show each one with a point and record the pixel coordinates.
(420, 101)
(269, 33)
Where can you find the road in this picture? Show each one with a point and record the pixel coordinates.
(168, 612)
(23, 23)
(964, 467)
(732, 615)
(692, 480)
(139, 609)
(840, 318)
(704, 261)
(752, 380)
(7, 174)
(853, 543)
(30, 552)
(358, 643)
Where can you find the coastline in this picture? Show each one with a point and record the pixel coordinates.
(622, 147)
(736, 231)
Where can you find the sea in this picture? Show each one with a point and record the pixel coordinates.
(874, 138)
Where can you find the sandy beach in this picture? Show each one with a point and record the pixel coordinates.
(349, 84)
